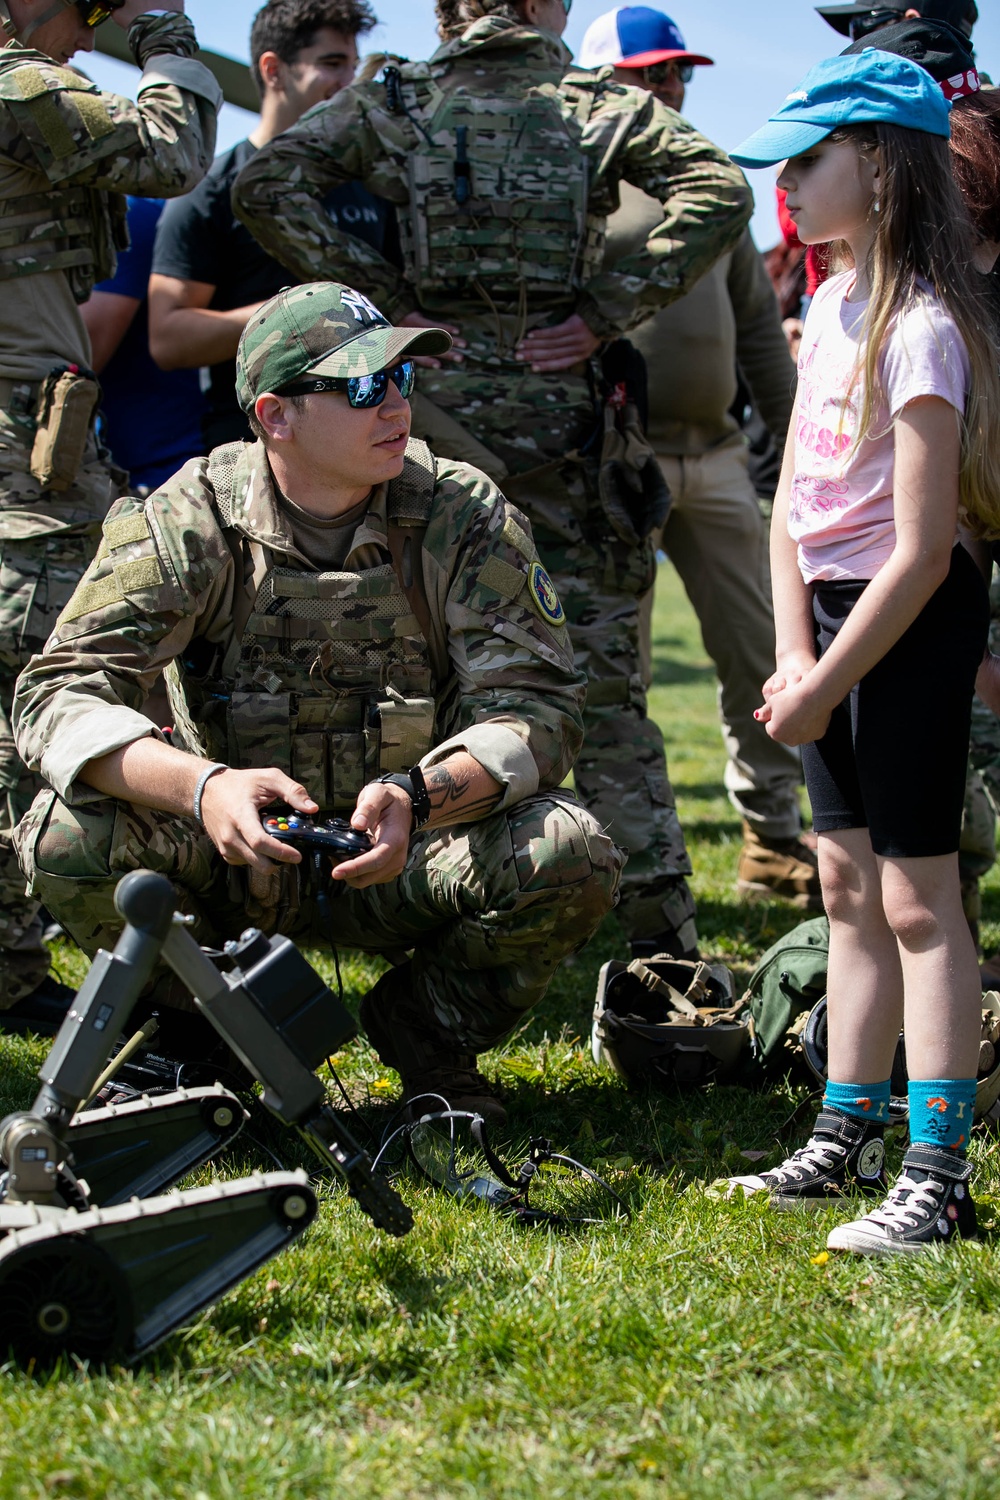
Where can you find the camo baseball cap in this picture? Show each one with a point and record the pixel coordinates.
(322, 328)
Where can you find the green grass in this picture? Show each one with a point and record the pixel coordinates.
(703, 1350)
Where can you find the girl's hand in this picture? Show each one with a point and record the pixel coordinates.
(794, 715)
(791, 671)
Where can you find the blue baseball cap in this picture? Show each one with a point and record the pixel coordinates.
(869, 87)
(634, 36)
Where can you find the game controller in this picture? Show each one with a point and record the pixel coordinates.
(333, 836)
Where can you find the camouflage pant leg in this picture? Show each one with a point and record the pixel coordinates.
(490, 908)
(38, 573)
(74, 857)
(621, 773)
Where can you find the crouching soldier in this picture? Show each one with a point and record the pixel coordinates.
(348, 626)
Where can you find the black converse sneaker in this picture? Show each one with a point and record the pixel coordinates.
(929, 1205)
(843, 1155)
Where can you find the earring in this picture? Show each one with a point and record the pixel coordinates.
(875, 206)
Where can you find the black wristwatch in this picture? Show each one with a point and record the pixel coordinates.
(414, 786)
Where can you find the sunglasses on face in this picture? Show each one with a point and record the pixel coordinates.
(660, 73)
(873, 21)
(93, 12)
(360, 390)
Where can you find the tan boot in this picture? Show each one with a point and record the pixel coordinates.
(778, 867)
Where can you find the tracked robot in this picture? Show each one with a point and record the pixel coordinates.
(98, 1259)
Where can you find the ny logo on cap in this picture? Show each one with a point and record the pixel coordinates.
(363, 310)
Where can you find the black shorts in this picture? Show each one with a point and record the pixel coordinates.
(893, 759)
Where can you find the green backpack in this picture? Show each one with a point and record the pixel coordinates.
(787, 982)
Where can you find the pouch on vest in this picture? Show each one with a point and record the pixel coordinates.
(634, 493)
(66, 405)
(407, 731)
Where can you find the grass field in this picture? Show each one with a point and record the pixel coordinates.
(703, 1349)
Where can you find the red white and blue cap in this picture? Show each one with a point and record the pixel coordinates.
(634, 36)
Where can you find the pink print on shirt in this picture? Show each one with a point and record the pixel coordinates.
(840, 507)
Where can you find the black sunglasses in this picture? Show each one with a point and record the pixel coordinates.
(93, 12)
(874, 21)
(360, 390)
(661, 72)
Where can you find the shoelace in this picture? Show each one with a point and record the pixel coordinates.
(923, 1204)
(814, 1155)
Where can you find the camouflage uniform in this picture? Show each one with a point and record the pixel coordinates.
(490, 907)
(568, 163)
(68, 152)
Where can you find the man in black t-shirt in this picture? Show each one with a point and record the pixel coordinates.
(209, 273)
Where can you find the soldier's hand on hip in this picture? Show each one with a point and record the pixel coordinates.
(386, 812)
(132, 9)
(558, 348)
(429, 361)
(231, 805)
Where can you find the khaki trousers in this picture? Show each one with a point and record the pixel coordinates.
(717, 540)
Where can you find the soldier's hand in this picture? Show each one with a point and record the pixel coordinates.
(386, 812)
(558, 348)
(430, 361)
(132, 9)
(231, 806)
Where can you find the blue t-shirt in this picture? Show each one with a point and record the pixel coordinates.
(152, 417)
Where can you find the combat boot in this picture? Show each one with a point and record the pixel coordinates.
(843, 1155)
(778, 867)
(425, 1063)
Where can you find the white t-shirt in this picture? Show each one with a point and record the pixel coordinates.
(840, 512)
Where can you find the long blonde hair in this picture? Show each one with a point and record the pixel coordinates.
(924, 234)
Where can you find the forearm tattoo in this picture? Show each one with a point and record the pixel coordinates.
(449, 793)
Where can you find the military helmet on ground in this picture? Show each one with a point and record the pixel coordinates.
(667, 1021)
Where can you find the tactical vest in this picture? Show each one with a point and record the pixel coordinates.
(500, 186)
(328, 675)
(73, 229)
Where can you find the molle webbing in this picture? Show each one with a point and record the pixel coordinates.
(499, 188)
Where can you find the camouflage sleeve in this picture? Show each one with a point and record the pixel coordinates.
(706, 201)
(518, 696)
(162, 575)
(279, 193)
(160, 146)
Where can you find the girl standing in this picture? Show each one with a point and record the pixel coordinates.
(881, 622)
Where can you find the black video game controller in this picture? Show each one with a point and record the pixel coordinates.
(332, 836)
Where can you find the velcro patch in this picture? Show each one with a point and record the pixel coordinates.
(94, 115)
(124, 530)
(56, 133)
(139, 573)
(518, 539)
(31, 82)
(502, 577)
(90, 597)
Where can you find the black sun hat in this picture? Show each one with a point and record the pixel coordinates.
(943, 52)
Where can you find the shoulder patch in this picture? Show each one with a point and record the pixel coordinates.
(502, 577)
(543, 592)
(138, 573)
(122, 531)
(517, 538)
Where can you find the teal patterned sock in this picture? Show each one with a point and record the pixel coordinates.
(941, 1112)
(865, 1101)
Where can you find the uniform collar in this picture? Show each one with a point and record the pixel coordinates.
(257, 512)
(538, 50)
